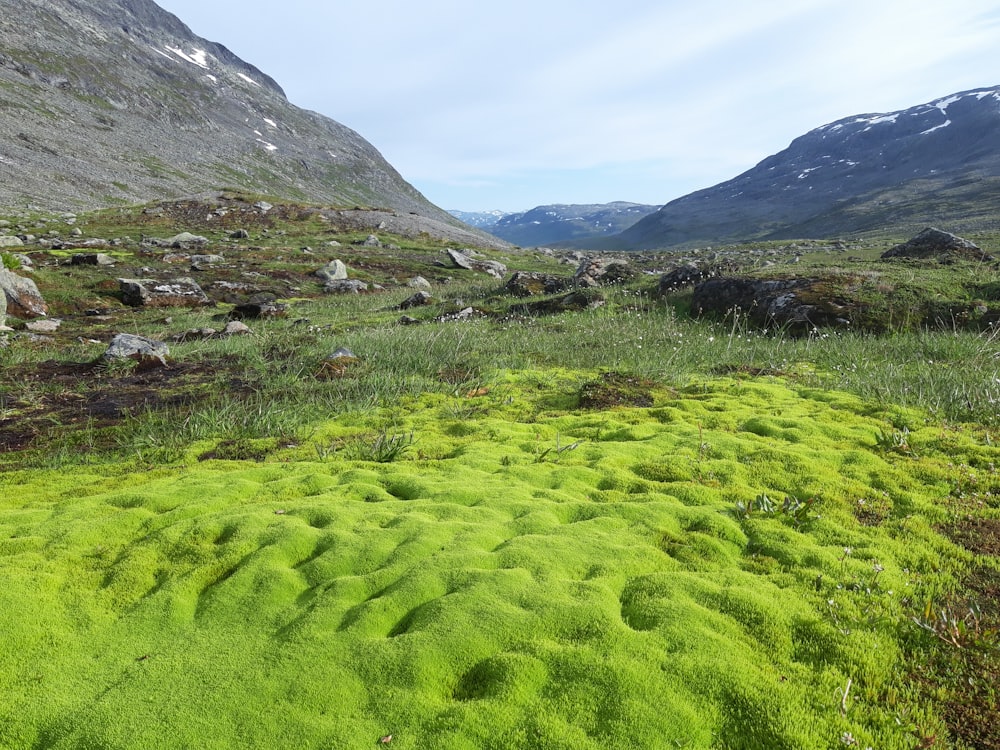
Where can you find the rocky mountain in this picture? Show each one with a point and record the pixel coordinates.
(933, 164)
(565, 224)
(117, 101)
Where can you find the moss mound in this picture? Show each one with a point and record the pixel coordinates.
(530, 577)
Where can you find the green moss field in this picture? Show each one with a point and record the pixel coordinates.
(742, 563)
(496, 517)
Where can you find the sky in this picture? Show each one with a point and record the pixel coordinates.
(486, 105)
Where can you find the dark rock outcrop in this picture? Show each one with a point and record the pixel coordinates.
(939, 245)
(797, 304)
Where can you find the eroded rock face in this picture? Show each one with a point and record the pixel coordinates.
(935, 243)
(179, 292)
(22, 298)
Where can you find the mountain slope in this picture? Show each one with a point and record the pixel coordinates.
(566, 224)
(937, 163)
(105, 101)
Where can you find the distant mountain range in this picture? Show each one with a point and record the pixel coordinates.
(933, 164)
(557, 224)
(117, 101)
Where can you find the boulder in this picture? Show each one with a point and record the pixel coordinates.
(200, 262)
(147, 352)
(236, 328)
(345, 286)
(91, 259)
(531, 283)
(796, 303)
(335, 270)
(180, 292)
(186, 240)
(418, 282)
(462, 260)
(22, 296)
(372, 241)
(682, 277)
(600, 271)
(10, 241)
(935, 243)
(46, 325)
(257, 309)
(417, 300)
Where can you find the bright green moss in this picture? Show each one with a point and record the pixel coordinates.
(524, 577)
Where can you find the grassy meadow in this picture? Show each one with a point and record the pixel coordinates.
(619, 527)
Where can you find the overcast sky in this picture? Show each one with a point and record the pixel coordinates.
(487, 105)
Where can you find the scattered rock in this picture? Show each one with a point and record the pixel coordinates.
(240, 234)
(335, 270)
(257, 309)
(372, 241)
(47, 325)
(201, 262)
(417, 300)
(91, 259)
(263, 206)
(236, 328)
(418, 282)
(22, 296)
(147, 352)
(935, 243)
(10, 241)
(683, 276)
(186, 240)
(179, 292)
(345, 286)
(600, 271)
(532, 283)
(462, 260)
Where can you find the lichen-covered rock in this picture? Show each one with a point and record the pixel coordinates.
(335, 270)
(345, 286)
(600, 271)
(148, 352)
(531, 283)
(794, 302)
(179, 292)
(22, 297)
(465, 261)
